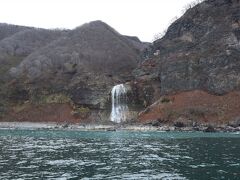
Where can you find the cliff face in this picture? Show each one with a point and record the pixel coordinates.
(16, 43)
(77, 67)
(200, 51)
(195, 76)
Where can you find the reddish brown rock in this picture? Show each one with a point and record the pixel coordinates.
(196, 106)
(60, 113)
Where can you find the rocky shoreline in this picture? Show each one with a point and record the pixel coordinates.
(99, 127)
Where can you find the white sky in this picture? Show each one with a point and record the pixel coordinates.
(142, 18)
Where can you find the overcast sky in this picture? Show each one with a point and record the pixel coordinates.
(142, 18)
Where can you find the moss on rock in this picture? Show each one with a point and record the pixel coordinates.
(51, 98)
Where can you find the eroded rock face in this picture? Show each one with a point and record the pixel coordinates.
(196, 74)
(200, 50)
(194, 107)
(83, 64)
(61, 113)
(16, 43)
(198, 60)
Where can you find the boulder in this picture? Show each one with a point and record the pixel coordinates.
(235, 123)
(210, 129)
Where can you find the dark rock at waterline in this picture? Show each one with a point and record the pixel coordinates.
(230, 129)
(210, 129)
(66, 125)
(179, 124)
(196, 128)
(235, 123)
(155, 123)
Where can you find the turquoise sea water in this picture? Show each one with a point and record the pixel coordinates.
(51, 154)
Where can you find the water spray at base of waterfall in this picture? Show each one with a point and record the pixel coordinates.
(119, 104)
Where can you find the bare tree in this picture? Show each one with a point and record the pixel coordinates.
(191, 5)
(159, 35)
(186, 8)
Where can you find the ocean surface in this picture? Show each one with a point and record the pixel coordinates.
(60, 154)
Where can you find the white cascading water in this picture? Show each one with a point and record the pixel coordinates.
(119, 104)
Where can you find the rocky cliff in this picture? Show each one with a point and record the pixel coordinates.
(16, 43)
(194, 76)
(200, 51)
(77, 67)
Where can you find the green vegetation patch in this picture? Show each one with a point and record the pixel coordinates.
(82, 112)
(52, 98)
(165, 100)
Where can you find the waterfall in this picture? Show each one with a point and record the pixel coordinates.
(119, 104)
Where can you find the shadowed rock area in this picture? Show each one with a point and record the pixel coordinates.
(200, 51)
(192, 78)
(78, 67)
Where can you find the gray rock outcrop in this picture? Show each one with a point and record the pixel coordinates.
(200, 50)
